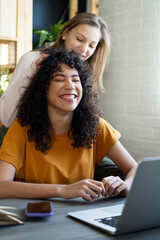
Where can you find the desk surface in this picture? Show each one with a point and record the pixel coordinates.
(60, 226)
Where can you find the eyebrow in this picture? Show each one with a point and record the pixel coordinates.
(63, 75)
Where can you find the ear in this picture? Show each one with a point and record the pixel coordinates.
(64, 34)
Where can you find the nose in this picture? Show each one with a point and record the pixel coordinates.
(69, 85)
(84, 49)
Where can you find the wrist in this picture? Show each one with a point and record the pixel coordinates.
(59, 192)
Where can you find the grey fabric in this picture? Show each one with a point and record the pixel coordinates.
(3, 131)
(107, 168)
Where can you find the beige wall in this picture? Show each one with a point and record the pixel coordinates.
(132, 99)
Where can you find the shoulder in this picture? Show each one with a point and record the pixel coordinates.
(106, 138)
(104, 123)
(29, 57)
(15, 138)
(107, 128)
(26, 66)
(16, 129)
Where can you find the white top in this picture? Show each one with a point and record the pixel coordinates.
(25, 68)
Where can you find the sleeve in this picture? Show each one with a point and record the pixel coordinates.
(25, 68)
(13, 147)
(105, 140)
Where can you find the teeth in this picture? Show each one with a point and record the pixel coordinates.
(68, 96)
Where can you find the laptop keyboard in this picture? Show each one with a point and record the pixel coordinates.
(112, 221)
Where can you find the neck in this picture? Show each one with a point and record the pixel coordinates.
(60, 123)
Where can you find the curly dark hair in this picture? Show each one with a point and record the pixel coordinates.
(32, 107)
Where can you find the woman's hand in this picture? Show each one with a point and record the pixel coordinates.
(115, 186)
(40, 59)
(88, 189)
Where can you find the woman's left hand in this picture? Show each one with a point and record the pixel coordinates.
(115, 186)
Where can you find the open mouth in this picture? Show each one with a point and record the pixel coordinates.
(68, 96)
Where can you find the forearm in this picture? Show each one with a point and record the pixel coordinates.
(10, 99)
(87, 189)
(130, 176)
(8, 109)
(14, 189)
(20, 79)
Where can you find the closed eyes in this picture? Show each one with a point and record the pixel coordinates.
(81, 40)
(63, 80)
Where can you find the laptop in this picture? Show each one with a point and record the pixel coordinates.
(142, 207)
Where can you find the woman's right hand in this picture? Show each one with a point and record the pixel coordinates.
(88, 189)
(40, 59)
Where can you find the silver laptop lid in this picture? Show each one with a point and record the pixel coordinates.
(142, 208)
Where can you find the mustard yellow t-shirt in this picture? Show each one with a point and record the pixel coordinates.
(63, 164)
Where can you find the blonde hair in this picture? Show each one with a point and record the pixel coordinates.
(100, 57)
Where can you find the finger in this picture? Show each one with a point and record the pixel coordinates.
(104, 180)
(120, 189)
(103, 191)
(38, 62)
(108, 182)
(40, 59)
(107, 179)
(96, 186)
(87, 198)
(92, 194)
(114, 187)
(94, 190)
(88, 195)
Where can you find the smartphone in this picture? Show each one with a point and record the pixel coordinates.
(39, 209)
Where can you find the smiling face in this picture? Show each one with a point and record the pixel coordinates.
(83, 39)
(65, 91)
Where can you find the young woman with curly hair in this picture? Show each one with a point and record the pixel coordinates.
(58, 137)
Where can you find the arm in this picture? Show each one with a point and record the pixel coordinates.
(25, 68)
(87, 189)
(114, 185)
